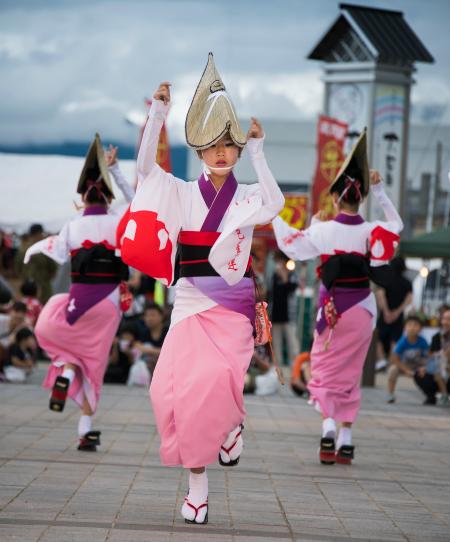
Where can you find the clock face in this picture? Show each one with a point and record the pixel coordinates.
(346, 103)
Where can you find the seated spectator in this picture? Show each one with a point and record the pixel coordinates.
(410, 353)
(34, 306)
(301, 374)
(152, 333)
(436, 376)
(20, 359)
(261, 378)
(9, 325)
(122, 356)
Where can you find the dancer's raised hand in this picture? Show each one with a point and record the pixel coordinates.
(375, 176)
(255, 129)
(163, 92)
(111, 155)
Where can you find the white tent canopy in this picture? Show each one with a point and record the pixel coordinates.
(42, 188)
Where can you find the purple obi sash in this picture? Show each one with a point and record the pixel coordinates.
(344, 299)
(240, 297)
(83, 297)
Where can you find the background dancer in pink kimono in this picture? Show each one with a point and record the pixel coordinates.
(77, 329)
(197, 387)
(352, 253)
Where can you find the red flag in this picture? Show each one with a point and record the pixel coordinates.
(331, 135)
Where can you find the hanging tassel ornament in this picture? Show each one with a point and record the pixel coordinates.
(331, 317)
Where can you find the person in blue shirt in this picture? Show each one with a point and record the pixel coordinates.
(410, 353)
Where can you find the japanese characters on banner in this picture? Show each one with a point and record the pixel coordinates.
(331, 134)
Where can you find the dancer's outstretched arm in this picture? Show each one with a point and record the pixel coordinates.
(116, 172)
(146, 160)
(272, 197)
(394, 221)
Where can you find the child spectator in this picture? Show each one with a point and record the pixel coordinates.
(34, 306)
(410, 353)
(301, 374)
(20, 360)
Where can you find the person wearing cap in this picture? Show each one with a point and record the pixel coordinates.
(352, 252)
(77, 329)
(197, 386)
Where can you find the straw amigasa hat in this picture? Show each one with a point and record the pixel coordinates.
(355, 166)
(94, 168)
(212, 114)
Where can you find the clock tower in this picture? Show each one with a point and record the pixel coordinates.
(368, 58)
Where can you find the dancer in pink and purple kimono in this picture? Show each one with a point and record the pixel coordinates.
(197, 386)
(77, 329)
(352, 252)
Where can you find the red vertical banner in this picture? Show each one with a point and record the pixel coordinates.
(331, 135)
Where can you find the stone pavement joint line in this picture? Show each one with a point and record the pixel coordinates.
(396, 491)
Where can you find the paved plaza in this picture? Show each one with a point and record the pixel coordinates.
(398, 488)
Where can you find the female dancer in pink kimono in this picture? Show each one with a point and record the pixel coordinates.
(197, 387)
(352, 251)
(77, 329)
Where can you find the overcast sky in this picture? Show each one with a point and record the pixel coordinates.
(69, 68)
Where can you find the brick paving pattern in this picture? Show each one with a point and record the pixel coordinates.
(397, 490)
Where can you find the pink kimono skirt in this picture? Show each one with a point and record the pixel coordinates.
(336, 372)
(197, 386)
(86, 344)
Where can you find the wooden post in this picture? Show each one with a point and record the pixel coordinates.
(368, 376)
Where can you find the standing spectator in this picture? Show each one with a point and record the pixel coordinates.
(392, 302)
(40, 268)
(20, 359)
(34, 306)
(284, 284)
(440, 350)
(410, 353)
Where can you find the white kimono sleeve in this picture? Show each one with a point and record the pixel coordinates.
(267, 187)
(296, 244)
(150, 238)
(55, 247)
(393, 222)
(121, 182)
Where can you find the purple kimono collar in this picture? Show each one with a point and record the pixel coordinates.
(217, 202)
(95, 210)
(349, 220)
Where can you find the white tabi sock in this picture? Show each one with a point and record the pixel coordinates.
(345, 437)
(198, 495)
(329, 428)
(69, 374)
(236, 451)
(84, 425)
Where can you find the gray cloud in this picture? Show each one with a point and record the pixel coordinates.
(71, 68)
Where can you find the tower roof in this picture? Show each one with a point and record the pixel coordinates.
(363, 33)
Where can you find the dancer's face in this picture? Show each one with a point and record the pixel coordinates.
(223, 154)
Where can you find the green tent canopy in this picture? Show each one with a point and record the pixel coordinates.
(435, 244)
